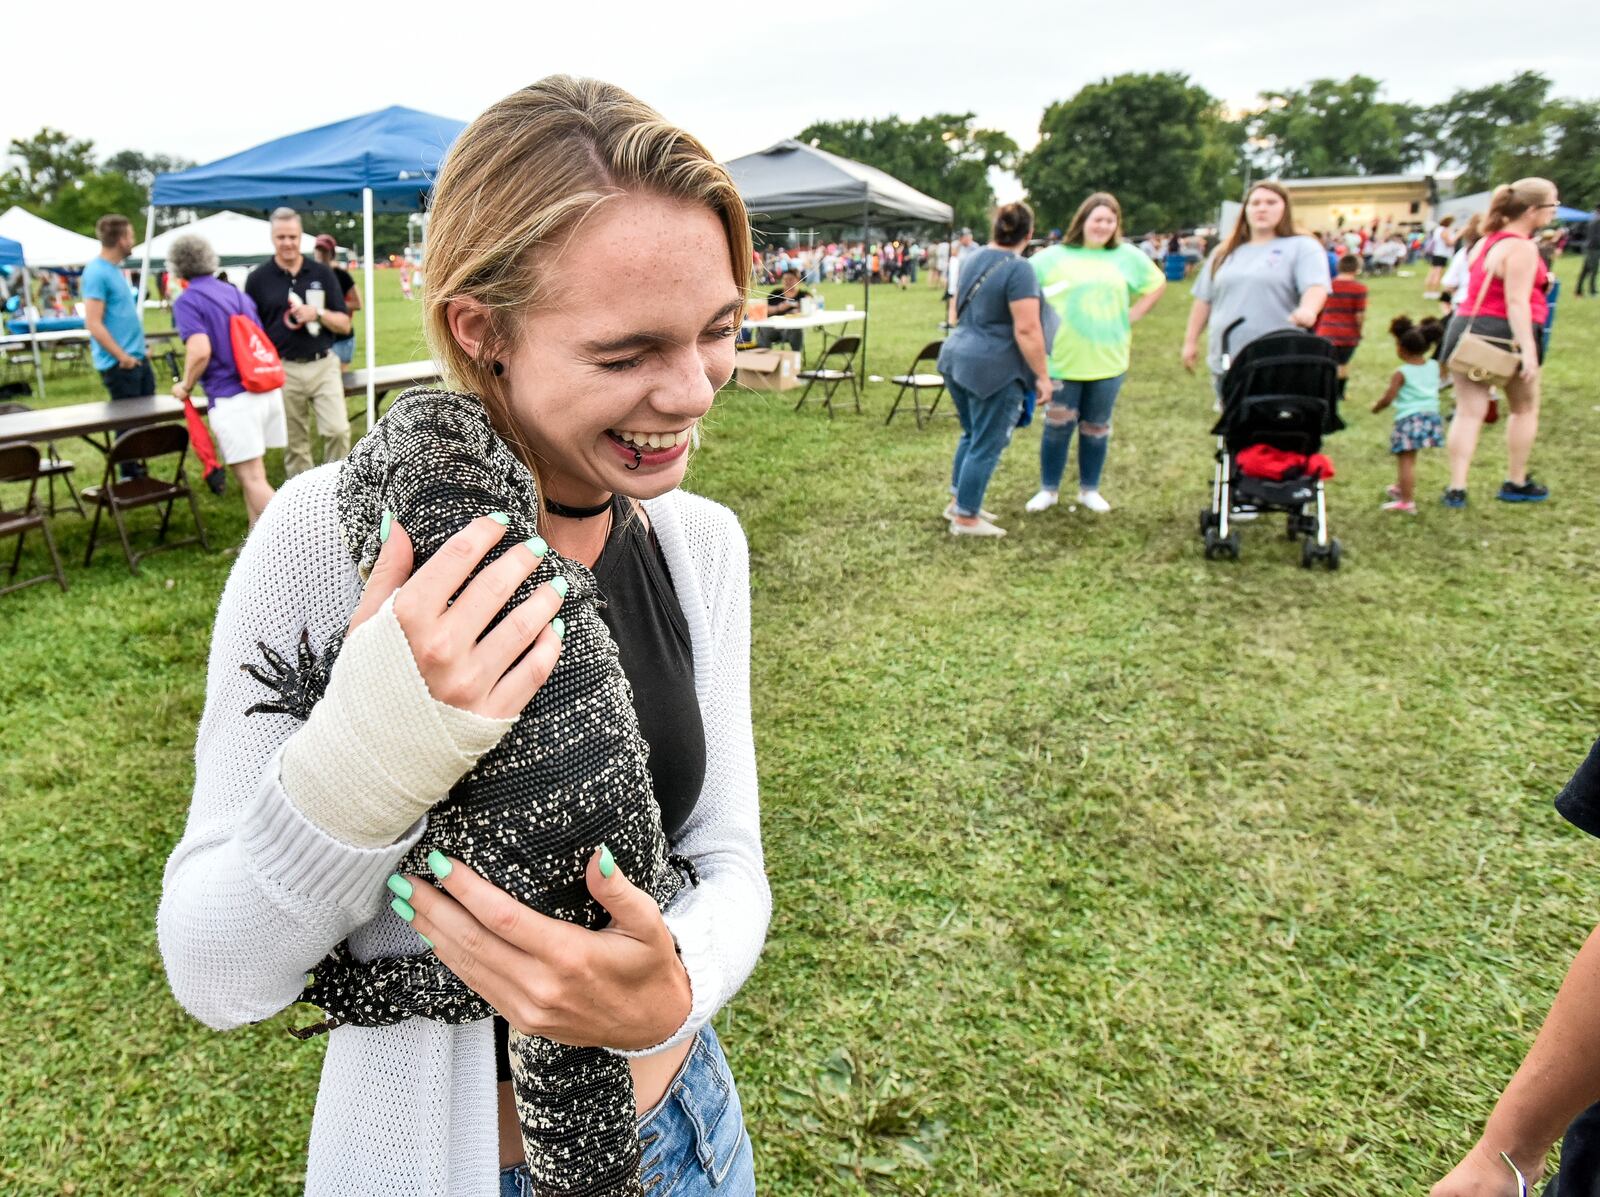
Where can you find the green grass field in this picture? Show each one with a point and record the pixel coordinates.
(1097, 867)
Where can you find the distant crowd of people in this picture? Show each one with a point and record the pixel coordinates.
(1052, 328)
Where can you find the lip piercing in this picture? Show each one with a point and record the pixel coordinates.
(638, 460)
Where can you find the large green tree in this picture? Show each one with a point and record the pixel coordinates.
(141, 169)
(1470, 128)
(1159, 142)
(45, 166)
(1335, 127)
(1562, 144)
(940, 155)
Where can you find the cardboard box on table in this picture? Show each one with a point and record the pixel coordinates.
(768, 369)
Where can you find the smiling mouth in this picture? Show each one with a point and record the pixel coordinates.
(647, 442)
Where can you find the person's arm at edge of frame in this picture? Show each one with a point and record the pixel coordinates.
(1559, 1077)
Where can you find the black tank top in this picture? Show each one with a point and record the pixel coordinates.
(642, 612)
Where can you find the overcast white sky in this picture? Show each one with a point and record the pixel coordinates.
(206, 80)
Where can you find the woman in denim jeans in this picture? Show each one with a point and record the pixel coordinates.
(544, 206)
(996, 354)
(1100, 286)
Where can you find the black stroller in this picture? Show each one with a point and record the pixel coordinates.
(1281, 390)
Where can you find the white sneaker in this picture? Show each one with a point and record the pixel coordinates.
(982, 528)
(1094, 501)
(950, 512)
(1042, 501)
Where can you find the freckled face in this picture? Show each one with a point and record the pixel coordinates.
(611, 374)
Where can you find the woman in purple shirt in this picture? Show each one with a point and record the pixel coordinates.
(243, 424)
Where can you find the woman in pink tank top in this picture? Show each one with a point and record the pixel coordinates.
(1504, 298)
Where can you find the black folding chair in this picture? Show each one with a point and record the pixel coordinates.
(145, 445)
(51, 467)
(917, 383)
(843, 351)
(21, 463)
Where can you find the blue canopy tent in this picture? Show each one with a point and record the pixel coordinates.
(1573, 215)
(384, 161)
(11, 255)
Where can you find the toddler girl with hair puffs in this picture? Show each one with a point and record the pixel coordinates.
(1414, 392)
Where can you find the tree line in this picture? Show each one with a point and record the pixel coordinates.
(1171, 151)
(1164, 145)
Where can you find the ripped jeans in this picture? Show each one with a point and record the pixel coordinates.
(1085, 408)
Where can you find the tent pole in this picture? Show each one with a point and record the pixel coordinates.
(144, 270)
(367, 307)
(33, 327)
(866, 282)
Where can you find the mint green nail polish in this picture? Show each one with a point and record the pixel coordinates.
(537, 546)
(399, 886)
(559, 627)
(403, 908)
(438, 865)
(426, 940)
(560, 585)
(608, 865)
(500, 518)
(383, 528)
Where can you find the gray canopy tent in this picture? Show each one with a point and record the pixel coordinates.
(792, 181)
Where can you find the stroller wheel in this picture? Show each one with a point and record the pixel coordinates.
(1231, 544)
(1208, 520)
(1333, 554)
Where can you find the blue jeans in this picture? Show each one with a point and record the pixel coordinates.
(694, 1140)
(987, 422)
(1075, 407)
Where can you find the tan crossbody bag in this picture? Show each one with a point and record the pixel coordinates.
(1493, 361)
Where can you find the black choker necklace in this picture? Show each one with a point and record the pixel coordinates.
(577, 513)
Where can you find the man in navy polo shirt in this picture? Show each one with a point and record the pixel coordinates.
(303, 310)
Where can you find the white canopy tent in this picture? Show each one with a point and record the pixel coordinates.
(239, 240)
(11, 257)
(44, 243)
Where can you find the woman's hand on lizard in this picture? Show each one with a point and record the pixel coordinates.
(623, 987)
(494, 674)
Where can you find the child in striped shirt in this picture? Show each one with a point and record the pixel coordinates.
(1340, 321)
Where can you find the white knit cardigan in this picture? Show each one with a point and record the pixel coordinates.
(255, 895)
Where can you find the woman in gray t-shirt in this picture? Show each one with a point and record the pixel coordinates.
(1265, 274)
